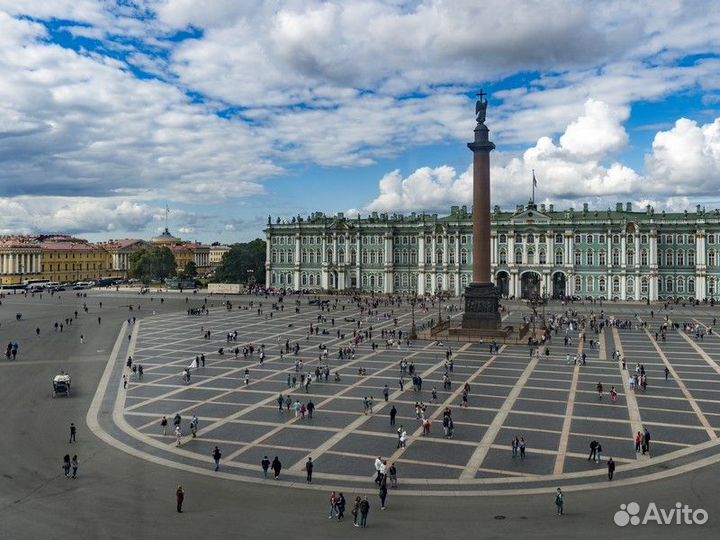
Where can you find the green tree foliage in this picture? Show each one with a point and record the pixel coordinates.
(151, 264)
(241, 258)
(190, 270)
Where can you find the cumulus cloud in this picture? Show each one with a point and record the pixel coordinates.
(685, 160)
(32, 215)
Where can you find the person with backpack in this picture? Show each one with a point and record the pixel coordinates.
(340, 506)
(364, 511)
(276, 466)
(265, 464)
(356, 511)
(216, 456)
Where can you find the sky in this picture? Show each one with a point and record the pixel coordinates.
(229, 111)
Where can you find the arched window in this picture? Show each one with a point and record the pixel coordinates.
(312, 279)
(630, 258)
(668, 284)
(503, 255)
(542, 239)
(711, 258)
(680, 285)
(451, 256)
(602, 258)
(428, 282)
(303, 279)
(601, 284)
(341, 256)
(329, 255)
(405, 280)
(396, 257)
(590, 258)
(502, 239)
(364, 257)
(282, 256)
(630, 285)
(615, 239)
(680, 258)
(372, 257)
(558, 256)
(644, 257)
(691, 258)
(439, 283)
(413, 257)
(615, 257)
(274, 256)
(644, 286)
(439, 257)
(518, 256)
(372, 282)
(531, 238)
(578, 284)
(518, 238)
(428, 257)
(578, 258)
(405, 257)
(669, 258)
(531, 257)
(543, 257)
(616, 285)
(558, 238)
(464, 280)
(691, 285)
(590, 284)
(364, 280)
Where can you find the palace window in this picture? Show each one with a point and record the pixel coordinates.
(680, 258)
(558, 257)
(428, 258)
(451, 257)
(341, 256)
(615, 239)
(601, 284)
(590, 258)
(578, 284)
(577, 238)
(615, 257)
(589, 238)
(590, 284)
(463, 239)
(691, 285)
(711, 238)
(396, 257)
(518, 238)
(630, 255)
(711, 258)
(616, 285)
(644, 257)
(531, 238)
(503, 255)
(543, 257)
(439, 257)
(602, 239)
(669, 258)
(413, 257)
(501, 239)
(542, 239)
(518, 257)
(558, 238)
(691, 258)
(680, 285)
(630, 285)
(669, 284)
(643, 239)
(531, 257)
(578, 258)
(602, 258)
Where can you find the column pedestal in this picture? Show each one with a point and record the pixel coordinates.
(481, 307)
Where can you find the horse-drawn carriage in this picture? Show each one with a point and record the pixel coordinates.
(61, 384)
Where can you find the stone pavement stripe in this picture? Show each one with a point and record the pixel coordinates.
(705, 356)
(489, 436)
(441, 407)
(567, 421)
(332, 441)
(328, 399)
(636, 423)
(691, 401)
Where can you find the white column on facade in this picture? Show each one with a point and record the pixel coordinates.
(357, 260)
(550, 247)
(298, 260)
(456, 267)
(389, 274)
(623, 289)
(421, 264)
(511, 249)
(623, 250)
(493, 249)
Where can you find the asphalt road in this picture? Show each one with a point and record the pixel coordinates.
(119, 496)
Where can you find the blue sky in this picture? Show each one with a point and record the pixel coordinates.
(232, 111)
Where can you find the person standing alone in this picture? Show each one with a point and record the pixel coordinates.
(180, 497)
(73, 431)
(309, 470)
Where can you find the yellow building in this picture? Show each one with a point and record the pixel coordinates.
(217, 253)
(20, 260)
(119, 252)
(67, 260)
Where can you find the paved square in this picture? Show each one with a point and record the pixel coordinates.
(550, 402)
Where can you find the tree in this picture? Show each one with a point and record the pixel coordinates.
(190, 269)
(241, 258)
(155, 263)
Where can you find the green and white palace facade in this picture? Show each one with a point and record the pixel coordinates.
(610, 254)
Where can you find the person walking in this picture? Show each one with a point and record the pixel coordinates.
(164, 424)
(392, 473)
(309, 469)
(638, 442)
(333, 505)
(73, 432)
(560, 502)
(180, 497)
(355, 511)
(66, 465)
(383, 494)
(310, 408)
(522, 448)
(611, 468)
(216, 454)
(386, 392)
(364, 511)
(340, 506)
(265, 464)
(276, 466)
(393, 414)
(74, 464)
(178, 436)
(646, 441)
(593, 451)
(194, 426)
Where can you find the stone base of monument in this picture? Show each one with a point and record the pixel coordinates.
(482, 301)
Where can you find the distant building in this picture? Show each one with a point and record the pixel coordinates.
(120, 251)
(217, 252)
(67, 259)
(620, 253)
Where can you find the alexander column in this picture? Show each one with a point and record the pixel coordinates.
(481, 296)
